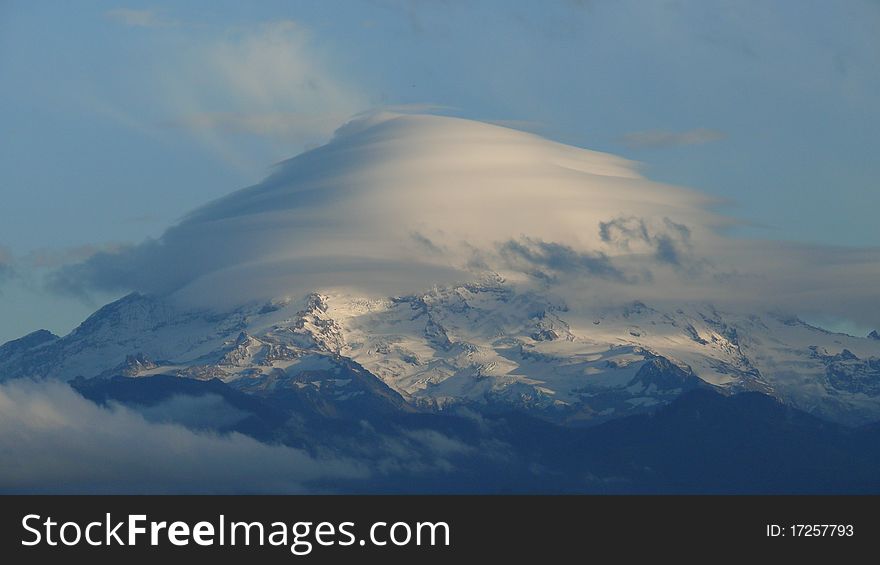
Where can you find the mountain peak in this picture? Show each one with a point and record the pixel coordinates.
(24, 346)
(29, 341)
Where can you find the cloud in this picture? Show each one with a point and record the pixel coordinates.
(668, 242)
(250, 94)
(272, 81)
(438, 443)
(525, 125)
(412, 108)
(422, 452)
(664, 138)
(52, 258)
(344, 215)
(55, 441)
(139, 18)
(546, 260)
(204, 412)
(395, 204)
(426, 243)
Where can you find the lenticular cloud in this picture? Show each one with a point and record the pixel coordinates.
(398, 203)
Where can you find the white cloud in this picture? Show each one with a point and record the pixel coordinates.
(356, 215)
(139, 18)
(53, 440)
(344, 214)
(250, 94)
(269, 81)
(664, 138)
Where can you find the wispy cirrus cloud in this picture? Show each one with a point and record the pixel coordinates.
(665, 138)
(251, 94)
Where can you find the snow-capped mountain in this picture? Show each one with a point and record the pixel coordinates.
(481, 344)
(416, 263)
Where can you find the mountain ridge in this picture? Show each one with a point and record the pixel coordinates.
(479, 343)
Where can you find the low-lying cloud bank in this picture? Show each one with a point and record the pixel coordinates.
(53, 440)
(396, 204)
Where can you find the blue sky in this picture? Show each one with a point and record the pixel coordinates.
(118, 118)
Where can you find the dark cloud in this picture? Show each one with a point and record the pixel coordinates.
(425, 243)
(668, 242)
(47, 258)
(110, 271)
(547, 260)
